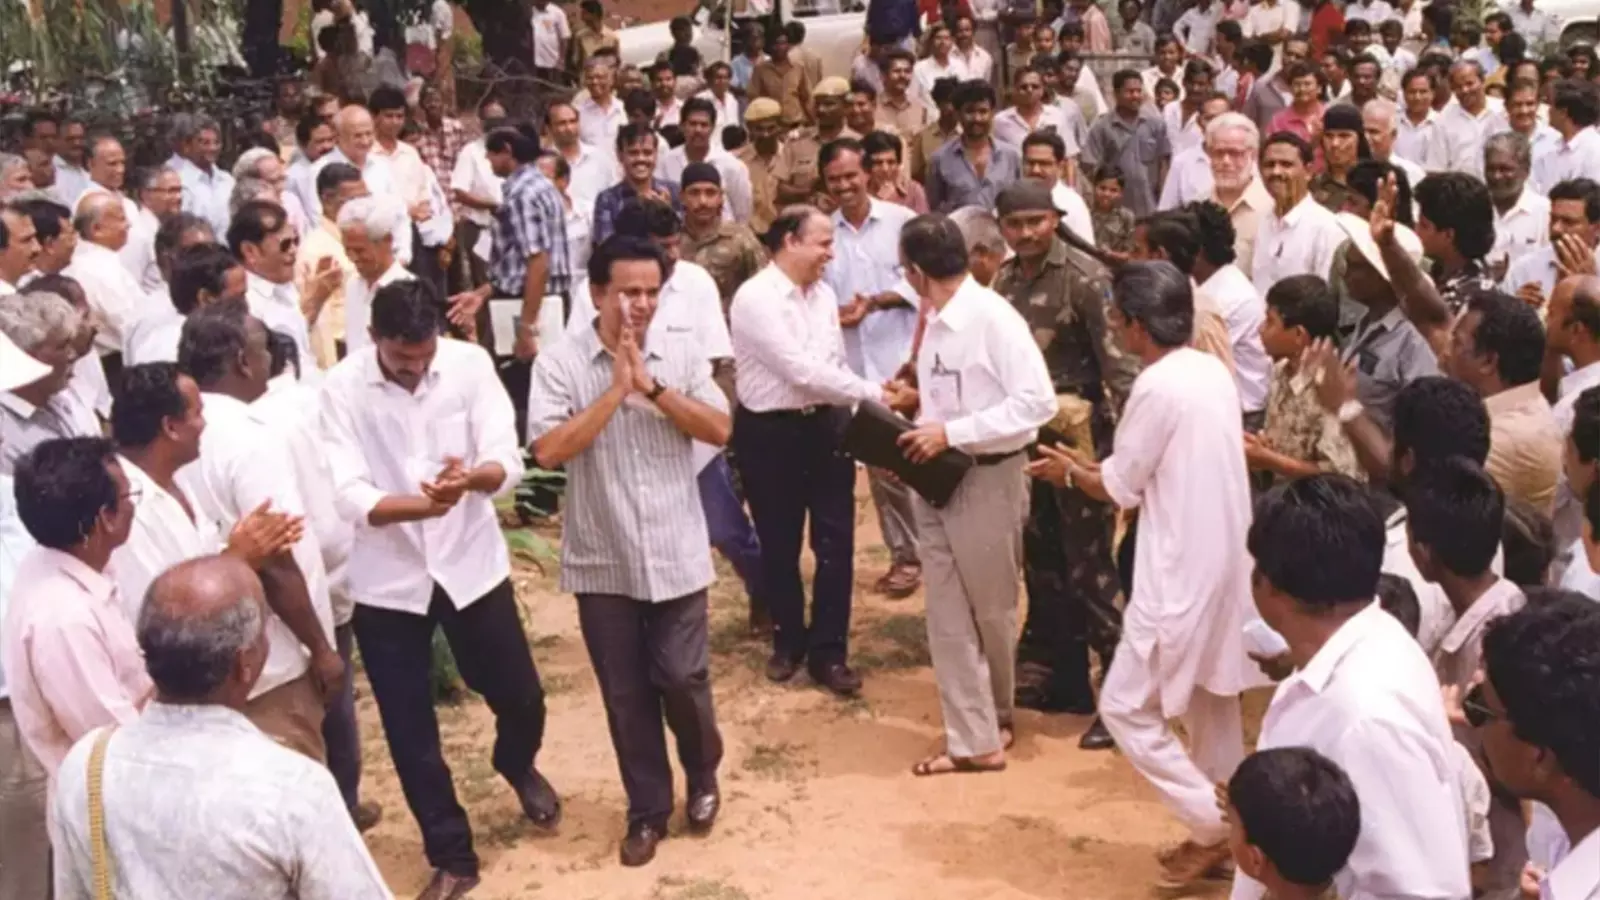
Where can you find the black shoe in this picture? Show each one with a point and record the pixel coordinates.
(445, 886)
(639, 847)
(1097, 737)
(781, 667)
(1040, 698)
(838, 678)
(366, 815)
(539, 800)
(702, 810)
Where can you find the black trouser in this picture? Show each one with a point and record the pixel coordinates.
(654, 660)
(425, 264)
(339, 729)
(517, 375)
(792, 464)
(491, 651)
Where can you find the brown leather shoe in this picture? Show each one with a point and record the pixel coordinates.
(639, 847)
(902, 581)
(838, 678)
(367, 815)
(1191, 864)
(702, 810)
(446, 886)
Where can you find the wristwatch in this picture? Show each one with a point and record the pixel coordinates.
(656, 390)
(1348, 411)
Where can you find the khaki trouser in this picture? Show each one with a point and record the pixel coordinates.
(24, 839)
(971, 566)
(291, 714)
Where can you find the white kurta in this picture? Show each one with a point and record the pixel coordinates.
(1178, 458)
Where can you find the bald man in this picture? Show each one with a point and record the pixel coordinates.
(355, 136)
(114, 292)
(1573, 318)
(194, 793)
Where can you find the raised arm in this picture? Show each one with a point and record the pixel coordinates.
(1419, 300)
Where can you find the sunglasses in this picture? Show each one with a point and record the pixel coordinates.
(1477, 709)
(287, 244)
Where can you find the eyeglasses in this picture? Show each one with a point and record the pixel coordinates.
(1477, 709)
(287, 244)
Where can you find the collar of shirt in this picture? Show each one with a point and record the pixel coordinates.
(1579, 380)
(1499, 599)
(1298, 212)
(16, 404)
(1513, 398)
(372, 374)
(257, 286)
(1526, 204)
(99, 588)
(592, 347)
(959, 309)
(874, 214)
(1580, 140)
(1389, 321)
(191, 717)
(1319, 670)
(1576, 875)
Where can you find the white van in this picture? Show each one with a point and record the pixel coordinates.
(835, 30)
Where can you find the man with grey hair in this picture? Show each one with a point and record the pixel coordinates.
(114, 293)
(1380, 120)
(108, 172)
(986, 246)
(206, 188)
(262, 165)
(43, 326)
(356, 136)
(1521, 214)
(192, 792)
(366, 225)
(1232, 144)
(160, 194)
(14, 176)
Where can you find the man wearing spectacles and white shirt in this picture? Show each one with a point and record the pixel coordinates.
(421, 437)
(795, 391)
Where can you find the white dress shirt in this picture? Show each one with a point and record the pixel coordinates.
(380, 179)
(115, 298)
(382, 440)
(1188, 178)
(928, 71)
(1577, 875)
(1521, 229)
(1074, 211)
(161, 536)
(138, 253)
(1243, 309)
(206, 194)
(866, 261)
(1577, 158)
(1266, 18)
(737, 196)
(787, 347)
(598, 125)
(1011, 126)
(1301, 243)
(197, 795)
(728, 113)
(594, 170)
(15, 544)
(1457, 142)
(1369, 701)
(550, 28)
(278, 307)
(153, 337)
(474, 175)
(1568, 516)
(976, 65)
(299, 182)
(1537, 267)
(1197, 27)
(1412, 139)
(1414, 172)
(982, 375)
(1377, 12)
(70, 184)
(243, 463)
(408, 172)
(289, 408)
(358, 305)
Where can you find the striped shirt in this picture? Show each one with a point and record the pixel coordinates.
(634, 526)
(530, 220)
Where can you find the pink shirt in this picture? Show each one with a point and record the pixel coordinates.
(1294, 123)
(70, 655)
(1096, 31)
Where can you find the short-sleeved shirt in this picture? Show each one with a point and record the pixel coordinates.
(612, 199)
(925, 143)
(1455, 289)
(763, 184)
(531, 219)
(787, 85)
(953, 183)
(796, 163)
(1113, 230)
(1137, 148)
(731, 254)
(1390, 354)
(1525, 445)
(1065, 307)
(1297, 426)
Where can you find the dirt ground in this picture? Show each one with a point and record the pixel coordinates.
(818, 801)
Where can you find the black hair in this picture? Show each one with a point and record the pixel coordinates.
(1123, 76)
(1173, 233)
(1109, 172)
(639, 102)
(521, 141)
(1585, 435)
(62, 487)
(1528, 541)
(147, 397)
(1389, 26)
(624, 248)
(253, 222)
(1159, 297)
(592, 7)
(673, 135)
(1299, 809)
(1364, 59)
(699, 105)
(1511, 330)
(214, 337)
(734, 137)
(832, 149)
(1502, 20)
(1168, 85)
(1544, 663)
(333, 175)
(1214, 231)
(796, 30)
(633, 133)
(863, 86)
(1584, 189)
(1230, 29)
(1367, 175)
(1456, 510)
(47, 216)
(36, 117)
(650, 218)
(1579, 99)
(934, 244)
(284, 351)
(973, 91)
(1398, 598)
(64, 286)
(1415, 73)
(1441, 17)
(1353, 27)
(1257, 53)
(1290, 139)
(201, 267)
(1513, 48)
(1320, 540)
(1197, 68)
(1071, 29)
(944, 89)
(410, 311)
(786, 224)
(1058, 147)
(385, 98)
(1437, 417)
(875, 142)
(1305, 301)
(1459, 202)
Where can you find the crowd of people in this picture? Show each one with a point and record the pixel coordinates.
(1282, 366)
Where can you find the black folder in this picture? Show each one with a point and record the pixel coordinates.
(871, 438)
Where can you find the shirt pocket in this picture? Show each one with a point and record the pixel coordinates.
(1147, 149)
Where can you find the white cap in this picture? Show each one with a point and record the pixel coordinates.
(1360, 235)
(18, 369)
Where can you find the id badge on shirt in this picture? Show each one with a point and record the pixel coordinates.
(942, 393)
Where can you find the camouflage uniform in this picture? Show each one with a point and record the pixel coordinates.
(1067, 564)
(1329, 192)
(731, 254)
(763, 184)
(1113, 230)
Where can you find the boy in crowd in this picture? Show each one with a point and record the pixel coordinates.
(1293, 820)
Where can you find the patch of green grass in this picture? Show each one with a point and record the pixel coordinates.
(775, 761)
(477, 777)
(546, 641)
(671, 887)
(557, 683)
(905, 643)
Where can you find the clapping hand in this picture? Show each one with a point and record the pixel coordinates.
(263, 534)
(446, 489)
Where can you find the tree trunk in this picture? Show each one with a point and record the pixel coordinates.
(507, 31)
(262, 19)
